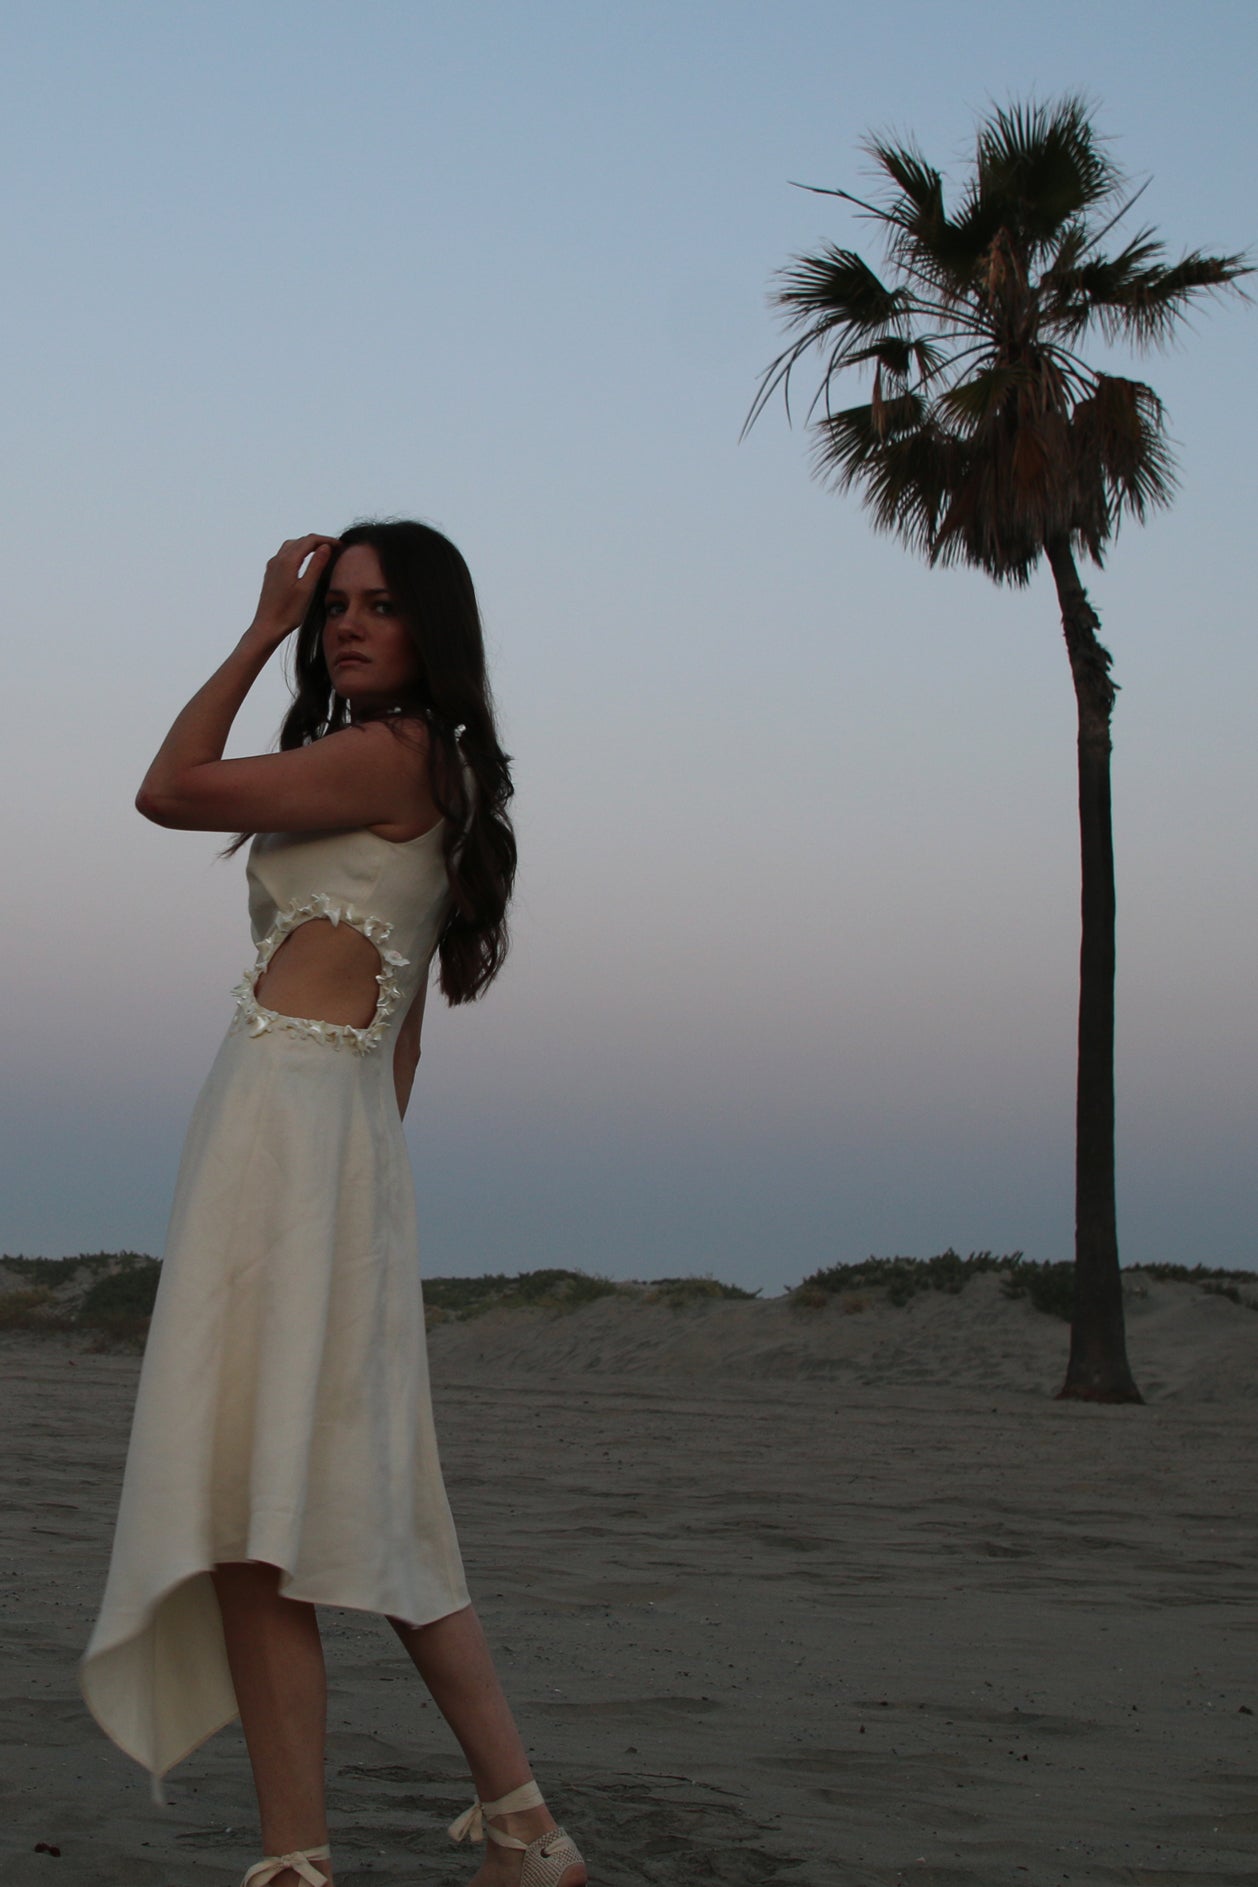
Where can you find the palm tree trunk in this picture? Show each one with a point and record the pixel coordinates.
(1098, 1370)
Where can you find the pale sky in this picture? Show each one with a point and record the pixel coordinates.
(795, 967)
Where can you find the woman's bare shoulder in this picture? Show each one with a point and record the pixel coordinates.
(399, 746)
(389, 740)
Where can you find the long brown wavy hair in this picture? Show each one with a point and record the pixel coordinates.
(471, 775)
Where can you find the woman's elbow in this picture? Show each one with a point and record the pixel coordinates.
(161, 808)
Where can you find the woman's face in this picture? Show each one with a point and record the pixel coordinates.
(366, 645)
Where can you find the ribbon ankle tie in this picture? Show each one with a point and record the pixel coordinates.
(264, 1872)
(472, 1824)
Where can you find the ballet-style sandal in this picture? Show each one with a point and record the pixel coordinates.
(546, 1860)
(262, 1873)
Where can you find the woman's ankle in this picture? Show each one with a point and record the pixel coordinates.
(312, 1864)
(525, 1823)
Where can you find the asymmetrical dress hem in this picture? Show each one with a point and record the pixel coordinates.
(188, 1608)
(284, 1414)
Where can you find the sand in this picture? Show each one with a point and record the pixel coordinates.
(791, 1597)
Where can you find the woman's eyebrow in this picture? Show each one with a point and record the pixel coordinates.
(333, 590)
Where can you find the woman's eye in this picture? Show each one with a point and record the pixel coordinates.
(333, 609)
(384, 605)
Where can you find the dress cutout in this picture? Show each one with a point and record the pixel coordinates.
(283, 1411)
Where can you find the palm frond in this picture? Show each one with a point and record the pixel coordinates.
(1078, 284)
(918, 228)
(839, 302)
(777, 374)
(847, 441)
(1120, 431)
(1097, 236)
(931, 359)
(1134, 296)
(976, 530)
(1042, 164)
(837, 293)
(975, 227)
(1072, 244)
(973, 403)
(1154, 300)
(919, 183)
(942, 263)
(987, 435)
(899, 356)
(902, 470)
(893, 354)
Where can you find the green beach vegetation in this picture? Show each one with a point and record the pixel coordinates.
(107, 1295)
(105, 1299)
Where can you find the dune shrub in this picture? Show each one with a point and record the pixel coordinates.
(55, 1271)
(552, 1289)
(902, 1279)
(27, 1308)
(1196, 1274)
(680, 1293)
(1216, 1287)
(1047, 1287)
(122, 1303)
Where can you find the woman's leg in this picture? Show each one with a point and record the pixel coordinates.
(276, 1659)
(454, 1660)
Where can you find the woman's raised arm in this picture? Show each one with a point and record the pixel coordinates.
(360, 776)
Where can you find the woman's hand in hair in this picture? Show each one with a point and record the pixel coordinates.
(193, 749)
(289, 584)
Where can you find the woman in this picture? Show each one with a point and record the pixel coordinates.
(282, 1452)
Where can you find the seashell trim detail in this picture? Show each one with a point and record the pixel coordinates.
(253, 1018)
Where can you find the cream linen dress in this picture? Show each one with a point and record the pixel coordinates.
(284, 1411)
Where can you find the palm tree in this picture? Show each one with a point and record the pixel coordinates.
(987, 440)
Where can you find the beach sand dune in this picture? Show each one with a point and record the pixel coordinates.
(824, 1598)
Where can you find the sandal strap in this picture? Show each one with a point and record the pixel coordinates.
(472, 1824)
(262, 1873)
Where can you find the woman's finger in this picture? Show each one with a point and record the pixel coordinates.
(297, 549)
(290, 579)
(316, 559)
